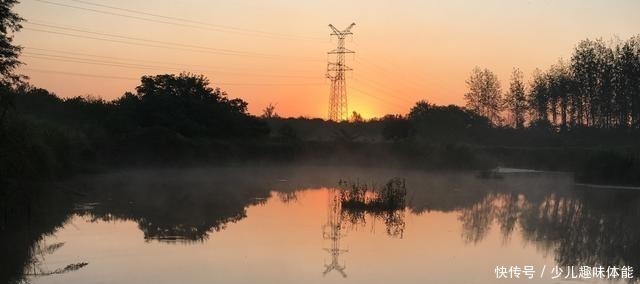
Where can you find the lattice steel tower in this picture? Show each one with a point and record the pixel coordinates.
(338, 110)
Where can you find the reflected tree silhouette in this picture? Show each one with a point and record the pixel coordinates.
(476, 220)
(287, 196)
(579, 226)
(38, 255)
(176, 209)
(28, 216)
(508, 213)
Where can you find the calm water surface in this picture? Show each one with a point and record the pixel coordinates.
(284, 225)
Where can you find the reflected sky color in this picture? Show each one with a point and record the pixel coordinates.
(406, 51)
(213, 224)
(282, 243)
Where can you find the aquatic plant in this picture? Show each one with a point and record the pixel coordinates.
(365, 197)
(386, 203)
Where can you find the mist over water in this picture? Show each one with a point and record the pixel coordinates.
(287, 225)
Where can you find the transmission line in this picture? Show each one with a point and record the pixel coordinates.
(81, 54)
(386, 101)
(72, 59)
(132, 78)
(386, 71)
(142, 39)
(191, 21)
(209, 28)
(78, 74)
(388, 92)
(149, 42)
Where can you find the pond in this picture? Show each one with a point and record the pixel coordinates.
(288, 225)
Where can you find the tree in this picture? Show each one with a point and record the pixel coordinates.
(420, 110)
(483, 96)
(269, 111)
(592, 66)
(186, 104)
(627, 83)
(287, 132)
(9, 24)
(605, 93)
(396, 127)
(584, 68)
(356, 117)
(539, 97)
(515, 99)
(444, 123)
(562, 90)
(7, 101)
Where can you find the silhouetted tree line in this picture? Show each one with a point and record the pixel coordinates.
(181, 118)
(168, 116)
(598, 87)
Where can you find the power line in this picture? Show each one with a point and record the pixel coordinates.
(123, 42)
(127, 59)
(378, 98)
(407, 84)
(131, 78)
(86, 61)
(413, 84)
(78, 74)
(379, 87)
(210, 28)
(73, 59)
(270, 84)
(360, 91)
(100, 56)
(191, 21)
(144, 42)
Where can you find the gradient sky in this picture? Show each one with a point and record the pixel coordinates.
(405, 50)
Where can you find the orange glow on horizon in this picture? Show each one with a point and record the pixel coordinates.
(275, 51)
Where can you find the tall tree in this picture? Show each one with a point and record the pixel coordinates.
(561, 89)
(592, 66)
(539, 97)
(605, 92)
(515, 99)
(584, 68)
(9, 24)
(626, 79)
(484, 94)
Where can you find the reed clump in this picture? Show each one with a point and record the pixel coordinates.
(356, 196)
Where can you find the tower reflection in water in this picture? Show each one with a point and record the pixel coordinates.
(332, 231)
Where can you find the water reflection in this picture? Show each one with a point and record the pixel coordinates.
(25, 220)
(332, 231)
(578, 226)
(386, 203)
(40, 251)
(582, 227)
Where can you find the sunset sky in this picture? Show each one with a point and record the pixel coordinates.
(275, 51)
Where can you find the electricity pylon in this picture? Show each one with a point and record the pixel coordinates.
(338, 110)
(332, 231)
